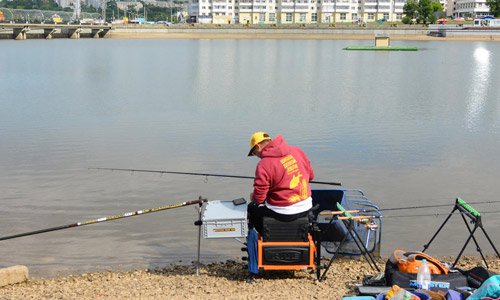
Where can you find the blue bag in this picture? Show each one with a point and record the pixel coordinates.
(253, 264)
(490, 289)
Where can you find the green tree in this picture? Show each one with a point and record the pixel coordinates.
(406, 20)
(494, 6)
(410, 9)
(436, 6)
(110, 8)
(31, 4)
(88, 8)
(424, 11)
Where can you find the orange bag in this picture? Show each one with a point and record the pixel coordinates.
(409, 262)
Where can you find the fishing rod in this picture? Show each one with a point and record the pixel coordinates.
(109, 218)
(433, 206)
(198, 174)
(433, 215)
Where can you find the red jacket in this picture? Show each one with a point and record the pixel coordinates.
(282, 175)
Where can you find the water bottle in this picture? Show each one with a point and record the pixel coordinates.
(424, 276)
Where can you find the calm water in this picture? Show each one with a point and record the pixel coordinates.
(408, 129)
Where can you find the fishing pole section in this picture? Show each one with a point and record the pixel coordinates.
(200, 201)
(199, 174)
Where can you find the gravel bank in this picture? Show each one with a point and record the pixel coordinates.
(216, 281)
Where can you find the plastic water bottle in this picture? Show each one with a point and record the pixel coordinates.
(424, 276)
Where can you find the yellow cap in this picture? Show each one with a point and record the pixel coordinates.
(257, 138)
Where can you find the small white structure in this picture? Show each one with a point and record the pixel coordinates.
(486, 22)
(382, 40)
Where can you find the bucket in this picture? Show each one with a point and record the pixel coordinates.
(422, 296)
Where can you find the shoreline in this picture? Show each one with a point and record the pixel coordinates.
(292, 36)
(270, 33)
(224, 280)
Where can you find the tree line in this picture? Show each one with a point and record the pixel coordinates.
(494, 6)
(153, 13)
(427, 11)
(33, 4)
(422, 11)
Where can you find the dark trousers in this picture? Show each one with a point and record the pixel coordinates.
(256, 214)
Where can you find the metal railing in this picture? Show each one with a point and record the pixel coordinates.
(42, 16)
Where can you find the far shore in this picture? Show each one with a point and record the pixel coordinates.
(306, 32)
(342, 32)
(296, 36)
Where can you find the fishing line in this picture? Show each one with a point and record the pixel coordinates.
(432, 206)
(206, 175)
(432, 215)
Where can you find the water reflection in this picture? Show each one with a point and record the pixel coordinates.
(386, 123)
(479, 87)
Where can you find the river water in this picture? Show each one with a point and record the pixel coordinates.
(407, 128)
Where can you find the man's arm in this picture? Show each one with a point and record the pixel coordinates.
(307, 164)
(261, 185)
(311, 171)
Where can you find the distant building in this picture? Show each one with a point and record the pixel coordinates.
(450, 7)
(73, 3)
(470, 8)
(294, 11)
(66, 3)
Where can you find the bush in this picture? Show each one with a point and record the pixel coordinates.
(432, 19)
(406, 20)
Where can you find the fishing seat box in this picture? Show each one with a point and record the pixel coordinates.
(224, 219)
(286, 245)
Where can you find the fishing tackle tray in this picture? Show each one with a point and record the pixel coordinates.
(224, 219)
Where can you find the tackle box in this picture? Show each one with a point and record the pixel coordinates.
(225, 219)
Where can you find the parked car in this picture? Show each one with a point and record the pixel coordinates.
(166, 23)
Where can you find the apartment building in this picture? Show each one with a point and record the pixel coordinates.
(470, 8)
(294, 11)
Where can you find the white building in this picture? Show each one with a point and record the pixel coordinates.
(294, 11)
(470, 8)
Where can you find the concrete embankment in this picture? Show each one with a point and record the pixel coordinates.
(403, 32)
(263, 33)
(345, 32)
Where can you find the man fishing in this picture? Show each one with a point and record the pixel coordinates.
(281, 184)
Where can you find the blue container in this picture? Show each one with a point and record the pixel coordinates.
(358, 298)
(422, 296)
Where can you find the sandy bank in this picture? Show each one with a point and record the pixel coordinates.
(216, 281)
